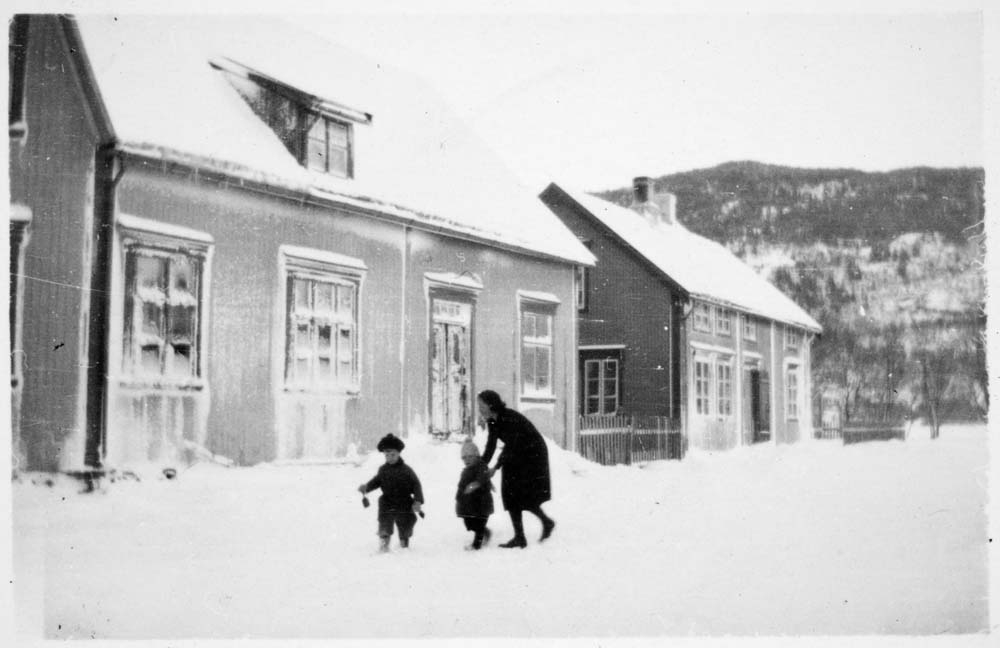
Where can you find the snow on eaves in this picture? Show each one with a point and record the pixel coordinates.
(704, 268)
(415, 162)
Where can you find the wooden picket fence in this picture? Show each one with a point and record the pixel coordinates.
(861, 431)
(617, 439)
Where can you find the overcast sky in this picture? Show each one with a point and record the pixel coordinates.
(595, 92)
(596, 97)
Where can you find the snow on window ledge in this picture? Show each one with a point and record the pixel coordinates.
(149, 226)
(538, 296)
(465, 280)
(20, 213)
(325, 257)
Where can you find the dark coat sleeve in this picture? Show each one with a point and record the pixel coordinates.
(418, 491)
(491, 444)
(374, 483)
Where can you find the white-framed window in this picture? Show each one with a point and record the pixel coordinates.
(723, 321)
(791, 338)
(702, 386)
(600, 386)
(322, 341)
(792, 392)
(724, 387)
(163, 310)
(328, 146)
(749, 328)
(536, 349)
(322, 338)
(702, 317)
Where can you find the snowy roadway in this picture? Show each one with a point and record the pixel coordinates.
(817, 538)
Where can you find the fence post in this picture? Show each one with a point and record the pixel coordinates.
(630, 440)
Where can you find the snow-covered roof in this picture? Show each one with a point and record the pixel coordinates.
(705, 269)
(415, 161)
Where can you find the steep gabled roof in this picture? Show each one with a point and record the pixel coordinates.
(705, 269)
(415, 161)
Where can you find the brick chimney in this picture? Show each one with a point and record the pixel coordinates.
(642, 190)
(659, 209)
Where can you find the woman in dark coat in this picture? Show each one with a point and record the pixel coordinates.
(524, 462)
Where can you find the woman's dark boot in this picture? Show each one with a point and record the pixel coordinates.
(516, 541)
(548, 524)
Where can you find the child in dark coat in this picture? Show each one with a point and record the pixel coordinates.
(402, 496)
(473, 500)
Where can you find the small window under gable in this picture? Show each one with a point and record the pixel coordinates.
(317, 131)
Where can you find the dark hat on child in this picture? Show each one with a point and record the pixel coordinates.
(390, 442)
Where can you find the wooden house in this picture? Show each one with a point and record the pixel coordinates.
(672, 324)
(231, 237)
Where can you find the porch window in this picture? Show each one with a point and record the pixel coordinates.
(702, 387)
(536, 351)
(162, 312)
(749, 328)
(723, 321)
(322, 340)
(600, 386)
(328, 146)
(792, 392)
(724, 387)
(702, 318)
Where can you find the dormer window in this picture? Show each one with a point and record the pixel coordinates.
(317, 131)
(328, 147)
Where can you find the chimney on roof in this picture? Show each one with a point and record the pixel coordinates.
(642, 190)
(657, 208)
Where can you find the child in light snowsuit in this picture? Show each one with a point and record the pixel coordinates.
(402, 496)
(473, 500)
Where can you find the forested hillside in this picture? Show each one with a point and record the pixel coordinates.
(889, 263)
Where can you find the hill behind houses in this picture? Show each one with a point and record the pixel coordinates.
(889, 263)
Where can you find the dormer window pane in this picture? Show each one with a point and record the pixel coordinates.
(327, 147)
(317, 146)
(337, 143)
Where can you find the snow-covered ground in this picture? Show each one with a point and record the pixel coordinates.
(815, 538)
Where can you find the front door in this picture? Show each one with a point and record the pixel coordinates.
(753, 410)
(450, 368)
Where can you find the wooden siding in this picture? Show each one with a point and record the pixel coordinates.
(51, 172)
(248, 409)
(495, 335)
(627, 304)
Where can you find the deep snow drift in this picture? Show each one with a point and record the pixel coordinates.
(815, 538)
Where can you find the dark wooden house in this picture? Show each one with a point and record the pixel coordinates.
(672, 324)
(232, 237)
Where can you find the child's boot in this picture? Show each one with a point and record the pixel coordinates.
(383, 545)
(404, 543)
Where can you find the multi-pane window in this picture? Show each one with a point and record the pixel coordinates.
(702, 317)
(723, 321)
(328, 147)
(162, 312)
(600, 386)
(724, 388)
(322, 331)
(791, 338)
(792, 391)
(702, 387)
(749, 328)
(536, 352)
